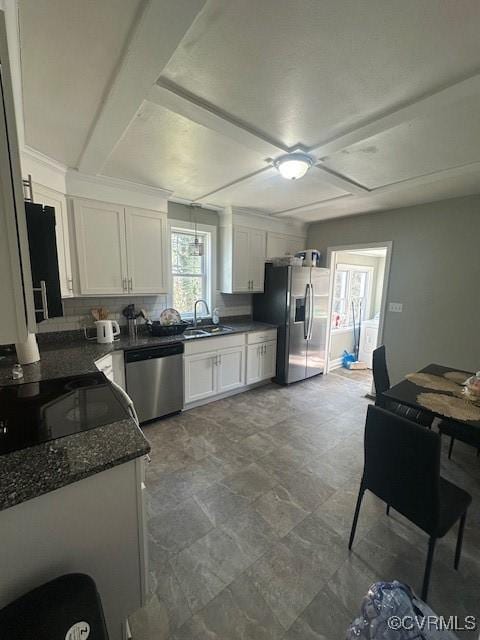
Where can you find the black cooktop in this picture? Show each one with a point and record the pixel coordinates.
(35, 412)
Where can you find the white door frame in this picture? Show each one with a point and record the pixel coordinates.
(331, 251)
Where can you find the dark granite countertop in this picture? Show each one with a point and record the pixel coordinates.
(31, 472)
(60, 358)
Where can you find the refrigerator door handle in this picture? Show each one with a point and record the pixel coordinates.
(310, 328)
(306, 318)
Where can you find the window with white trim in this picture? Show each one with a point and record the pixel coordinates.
(191, 274)
(351, 295)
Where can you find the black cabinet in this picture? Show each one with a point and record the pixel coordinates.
(44, 261)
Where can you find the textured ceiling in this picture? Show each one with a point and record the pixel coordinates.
(163, 149)
(304, 71)
(70, 50)
(385, 97)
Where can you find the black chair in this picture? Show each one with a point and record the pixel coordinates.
(381, 380)
(459, 431)
(402, 467)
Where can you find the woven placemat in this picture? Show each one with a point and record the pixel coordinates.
(456, 376)
(449, 406)
(437, 383)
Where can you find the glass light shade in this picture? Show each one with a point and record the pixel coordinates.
(293, 166)
(196, 248)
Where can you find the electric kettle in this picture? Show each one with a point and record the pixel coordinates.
(107, 330)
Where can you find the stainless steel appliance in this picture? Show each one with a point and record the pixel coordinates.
(154, 379)
(296, 300)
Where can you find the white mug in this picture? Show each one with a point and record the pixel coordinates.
(107, 330)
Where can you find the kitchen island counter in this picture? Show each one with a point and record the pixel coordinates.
(34, 471)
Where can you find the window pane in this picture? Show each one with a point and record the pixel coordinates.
(339, 298)
(340, 284)
(182, 261)
(187, 289)
(358, 284)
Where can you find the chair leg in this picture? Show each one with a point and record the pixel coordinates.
(478, 453)
(458, 548)
(450, 448)
(428, 568)
(388, 509)
(355, 517)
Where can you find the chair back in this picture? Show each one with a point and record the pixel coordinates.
(381, 378)
(402, 466)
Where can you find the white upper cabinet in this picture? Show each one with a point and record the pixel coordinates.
(51, 198)
(243, 259)
(120, 251)
(280, 244)
(101, 248)
(146, 250)
(240, 263)
(257, 255)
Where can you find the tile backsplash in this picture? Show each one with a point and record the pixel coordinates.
(77, 310)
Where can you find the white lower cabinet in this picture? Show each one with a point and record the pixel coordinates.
(200, 376)
(230, 369)
(236, 361)
(102, 532)
(261, 361)
(209, 374)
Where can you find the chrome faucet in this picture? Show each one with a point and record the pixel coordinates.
(195, 310)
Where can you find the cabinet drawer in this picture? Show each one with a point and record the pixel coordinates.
(205, 345)
(261, 336)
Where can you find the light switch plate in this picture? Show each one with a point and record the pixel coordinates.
(396, 307)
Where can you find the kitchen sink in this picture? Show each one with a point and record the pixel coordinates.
(216, 328)
(207, 330)
(194, 333)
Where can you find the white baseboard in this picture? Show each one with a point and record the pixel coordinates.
(335, 364)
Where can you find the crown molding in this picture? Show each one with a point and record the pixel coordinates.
(40, 158)
(75, 177)
(115, 190)
(258, 220)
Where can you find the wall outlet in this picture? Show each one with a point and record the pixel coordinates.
(396, 307)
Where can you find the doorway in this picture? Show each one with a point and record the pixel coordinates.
(358, 295)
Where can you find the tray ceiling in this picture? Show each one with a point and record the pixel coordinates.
(197, 97)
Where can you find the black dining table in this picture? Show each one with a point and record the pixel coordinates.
(406, 392)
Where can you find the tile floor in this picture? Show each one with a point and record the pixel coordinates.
(251, 504)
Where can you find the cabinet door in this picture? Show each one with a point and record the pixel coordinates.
(254, 363)
(277, 245)
(296, 244)
(146, 250)
(200, 376)
(101, 250)
(269, 359)
(257, 251)
(49, 197)
(241, 261)
(231, 368)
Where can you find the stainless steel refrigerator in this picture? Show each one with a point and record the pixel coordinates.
(296, 300)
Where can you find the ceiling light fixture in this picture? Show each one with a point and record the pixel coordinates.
(293, 165)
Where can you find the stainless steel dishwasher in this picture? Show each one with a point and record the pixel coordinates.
(154, 380)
